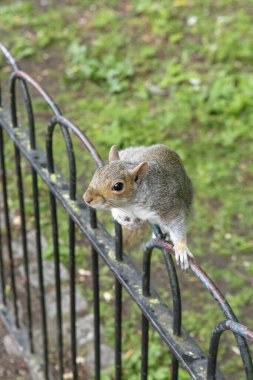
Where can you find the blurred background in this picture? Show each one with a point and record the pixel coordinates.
(175, 72)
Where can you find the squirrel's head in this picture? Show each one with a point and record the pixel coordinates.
(114, 184)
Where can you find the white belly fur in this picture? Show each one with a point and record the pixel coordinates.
(145, 214)
(135, 212)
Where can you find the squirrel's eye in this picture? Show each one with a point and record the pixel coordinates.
(118, 186)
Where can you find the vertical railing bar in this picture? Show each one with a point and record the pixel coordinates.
(213, 353)
(146, 271)
(174, 368)
(32, 139)
(96, 308)
(96, 299)
(145, 347)
(1, 99)
(176, 305)
(72, 170)
(118, 242)
(118, 329)
(176, 299)
(2, 274)
(72, 194)
(177, 309)
(8, 228)
(22, 210)
(93, 217)
(40, 272)
(118, 304)
(72, 267)
(145, 322)
(57, 282)
(24, 244)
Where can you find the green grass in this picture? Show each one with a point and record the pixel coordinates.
(143, 72)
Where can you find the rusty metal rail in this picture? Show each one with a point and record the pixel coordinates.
(185, 351)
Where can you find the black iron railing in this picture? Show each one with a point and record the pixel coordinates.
(184, 349)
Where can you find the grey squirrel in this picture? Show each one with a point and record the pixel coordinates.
(145, 184)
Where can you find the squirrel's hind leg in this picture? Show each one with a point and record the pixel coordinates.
(182, 254)
(177, 232)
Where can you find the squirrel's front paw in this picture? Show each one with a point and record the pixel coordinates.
(182, 253)
(131, 223)
(126, 219)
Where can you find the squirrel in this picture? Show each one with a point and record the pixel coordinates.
(145, 184)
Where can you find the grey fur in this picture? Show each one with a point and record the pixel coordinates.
(166, 189)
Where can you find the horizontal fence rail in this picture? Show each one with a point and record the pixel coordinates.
(62, 192)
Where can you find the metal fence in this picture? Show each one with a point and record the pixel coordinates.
(185, 351)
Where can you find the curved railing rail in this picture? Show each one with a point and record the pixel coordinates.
(185, 350)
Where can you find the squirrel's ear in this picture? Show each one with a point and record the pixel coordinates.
(139, 171)
(113, 154)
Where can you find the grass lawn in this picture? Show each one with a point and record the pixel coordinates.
(142, 72)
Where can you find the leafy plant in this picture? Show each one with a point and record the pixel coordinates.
(110, 69)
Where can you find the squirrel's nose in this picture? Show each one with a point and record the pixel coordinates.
(87, 197)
